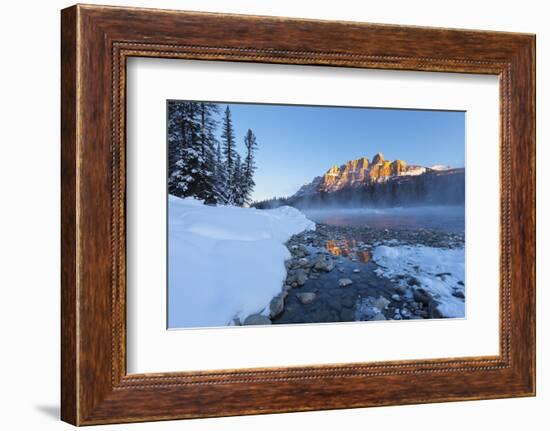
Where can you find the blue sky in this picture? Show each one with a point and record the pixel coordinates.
(297, 143)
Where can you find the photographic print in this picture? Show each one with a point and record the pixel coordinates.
(294, 214)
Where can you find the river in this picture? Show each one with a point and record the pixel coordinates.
(440, 218)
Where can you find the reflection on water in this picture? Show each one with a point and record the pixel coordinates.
(444, 218)
(348, 248)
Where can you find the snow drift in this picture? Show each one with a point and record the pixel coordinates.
(439, 271)
(224, 261)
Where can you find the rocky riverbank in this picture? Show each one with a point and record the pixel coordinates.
(332, 277)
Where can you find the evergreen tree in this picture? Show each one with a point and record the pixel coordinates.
(188, 157)
(237, 182)
(201, 165)
(175, 146)
(229, 152)
(182, 155)
(249, 166)
(220, 177)
(208, 125)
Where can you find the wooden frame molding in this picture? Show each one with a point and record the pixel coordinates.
(95, 43)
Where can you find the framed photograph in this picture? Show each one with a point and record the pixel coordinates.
(266, 215)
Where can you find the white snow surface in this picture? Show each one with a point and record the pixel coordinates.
(225, 261)
(440, 167)
(424, 263)
(418, 170)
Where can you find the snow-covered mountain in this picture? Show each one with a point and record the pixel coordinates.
(382, 181)
(440, 167)
(358, 173)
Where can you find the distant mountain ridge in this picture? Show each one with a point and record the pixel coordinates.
(381, 182)
(359, 173)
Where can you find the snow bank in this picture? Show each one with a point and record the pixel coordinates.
(224, 261)
(438, 270)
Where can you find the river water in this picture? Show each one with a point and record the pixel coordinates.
(441, 218)
(352, 288)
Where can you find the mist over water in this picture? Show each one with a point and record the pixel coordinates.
(448, 218)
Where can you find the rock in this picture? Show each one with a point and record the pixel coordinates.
(346, 315)
(405, 313)
(342, 270)
(379, 316)
(257, 319)
(421, 295)
(356, 270)
(300, 276)
(366, 312)
(397, 317)
(304, 249)
(414, 305)
(323, 264)
(294, 264)
(345, 282)
(306, 297)
(303, 262)
(381, 303)
(459, 294)
(334, 302)
(400, 289)
(348, 301)
(334, 291)
(396, 297)
(413, 281)
(277, 305)
(433, 310)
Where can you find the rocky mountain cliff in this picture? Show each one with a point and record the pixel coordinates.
(382, 182)
(359, 173)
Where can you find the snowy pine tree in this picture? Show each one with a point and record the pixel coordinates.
(175, 145)
(237, 182)
(180, 161)
(249, 167)
(189, 152)
(208, 141)
(229, 153)
(201, 165)
(220, 177)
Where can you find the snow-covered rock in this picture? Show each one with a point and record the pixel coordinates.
(225, 262)
(438, 271)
